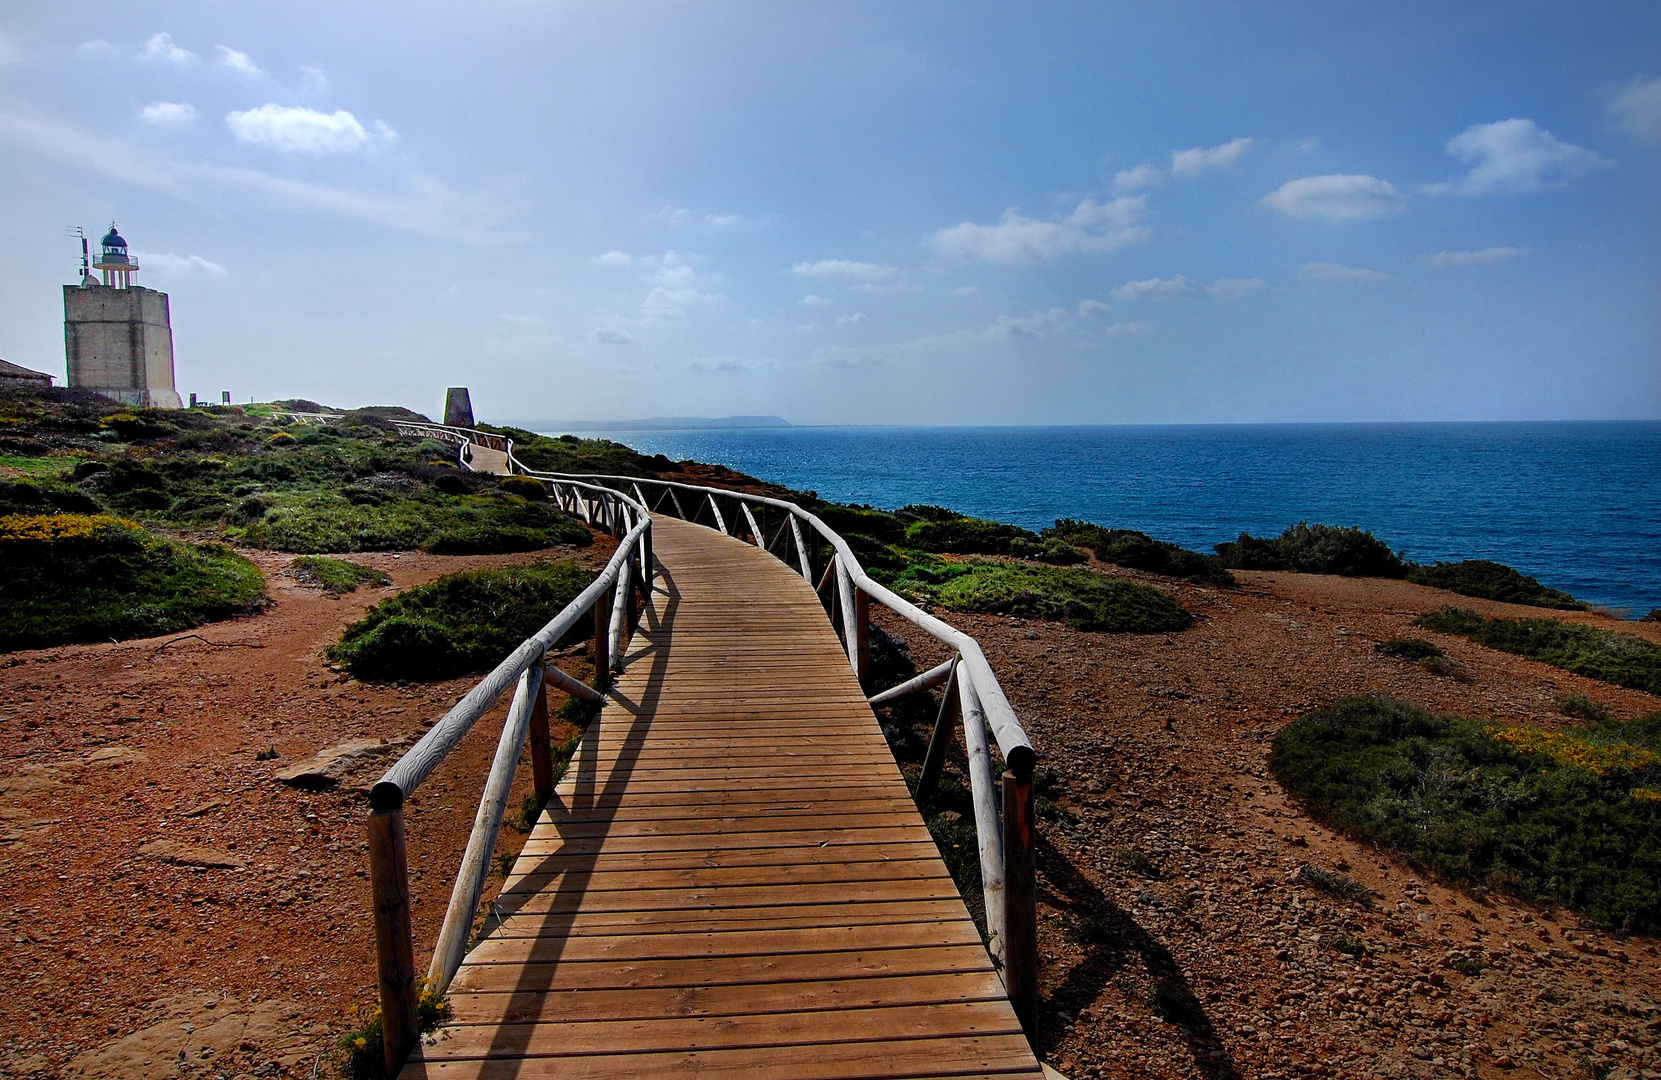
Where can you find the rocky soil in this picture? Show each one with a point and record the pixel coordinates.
(171, 909)
(1177, 938)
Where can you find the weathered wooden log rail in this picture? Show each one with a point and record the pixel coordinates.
(973, 702)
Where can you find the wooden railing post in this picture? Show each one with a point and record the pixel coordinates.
(602, 637)
(394, 937)
(862, 635)
(934, 759)
(542, 755)
(1020, 901)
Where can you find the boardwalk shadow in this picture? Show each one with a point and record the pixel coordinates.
(562, 882)
(1115, 941)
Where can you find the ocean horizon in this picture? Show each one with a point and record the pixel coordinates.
(1573, 503)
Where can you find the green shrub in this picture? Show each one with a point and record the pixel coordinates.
(1315, 549)
(358, 1054)
(1409, 648)
(335, 576)
(856, 520)
(966, 536)
(73, 577)
(1491, 581)
(1572, 817)
(1081, 598)
(1333, 883)
(525, 488)
(1622, 659)
(1139, 551)
(1584, 708)
(461, 624)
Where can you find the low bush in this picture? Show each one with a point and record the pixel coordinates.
(1083, 599)
(1315, 549)
(77, 577)
(1492, 581)
(335, 576)
(1409, 648)
(1622, 659)
(1139, 551)
(1568, 816)
(461, 624)
(324, 521)
(967, 536)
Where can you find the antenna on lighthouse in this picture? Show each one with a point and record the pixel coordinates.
(86, 260)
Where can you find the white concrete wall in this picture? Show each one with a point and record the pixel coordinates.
(119, 342)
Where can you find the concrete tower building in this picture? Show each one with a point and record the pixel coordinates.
(118, 337)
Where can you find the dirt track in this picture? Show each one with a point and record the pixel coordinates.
(120, 962)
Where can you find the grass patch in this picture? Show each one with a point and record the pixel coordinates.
(1081, 598)
(358, 1054)
(1137, 862)
(1570, 817)
(76, 577)
(1315, 549)
(21, 465)
(1335, 884)
(461, 624)
(1409, 648)
(335, 576)
(1492, 581)
(1621, 659)
(1139, 551)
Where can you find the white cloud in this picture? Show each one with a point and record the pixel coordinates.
(160, 47)
(810, 300)
(619, 259)
(1481, 257)
(97, 49)
(1635, 110)
(167, 113)
(1037, 324)
(1091, 227)
(1232, 288)
(1514, 156)
(1158, 288)
(312, 80)
(428, 208)
(1331, 271)
(1138, 178)
(966, 290)
(305, 131)
(607, 336)
(675, 288)
(239, 62)
(678, 215)
(525, 321)
(845, 268)
(1191, 163)
(1181, 286)
(170, 265)
(850, 319)
(1091, 308)
(809, 328)
(1337, 197)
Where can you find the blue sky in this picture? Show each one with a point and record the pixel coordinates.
(860, 212)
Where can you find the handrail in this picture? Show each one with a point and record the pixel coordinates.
(1004, 833)
(607, 597)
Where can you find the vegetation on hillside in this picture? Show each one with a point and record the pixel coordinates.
(1621, 659)
(1568, 816)
(335, 576)
(1139, 551)
(78, 577)
(1315, 549)
(353, 485)
(460, 624)
(1492, 581)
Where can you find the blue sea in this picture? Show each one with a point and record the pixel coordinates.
(1577, 505)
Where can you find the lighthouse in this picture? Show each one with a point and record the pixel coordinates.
(118, 337)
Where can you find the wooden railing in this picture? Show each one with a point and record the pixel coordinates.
(973, 701)
(611, 597)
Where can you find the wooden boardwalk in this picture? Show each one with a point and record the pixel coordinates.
(731, 880)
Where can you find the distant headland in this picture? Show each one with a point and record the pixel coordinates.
(662, 423)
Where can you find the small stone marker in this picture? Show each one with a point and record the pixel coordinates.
(458, 407)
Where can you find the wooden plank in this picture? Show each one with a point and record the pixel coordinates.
(690, 1034)
(990, 1055)
(751, 999)
(735, 896)
(873, 913)
(793, 941)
